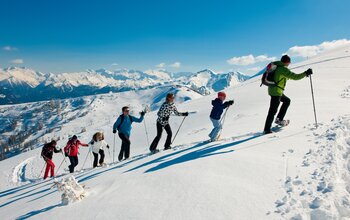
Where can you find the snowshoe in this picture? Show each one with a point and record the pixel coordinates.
(268, 132)
(167, 148)
(154, 151)
(103, 164)
(282, 123)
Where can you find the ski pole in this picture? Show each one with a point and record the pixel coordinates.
(222, 121)
(60, 165)
(42, 170)
(85, 160)
(313, 101)
(64, 158)
(144, 122)
(113, 147)
(178, 129)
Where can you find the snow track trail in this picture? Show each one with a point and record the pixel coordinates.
(19, 172)
(325, 192)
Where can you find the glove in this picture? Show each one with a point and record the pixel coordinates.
(142, 113)
(61, 150)
(107, 146)
(230, 102)
(185, 114)
(114, 131)
(66, 154)
(308, 72)
(92, 142)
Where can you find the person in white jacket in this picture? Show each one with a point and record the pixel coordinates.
(98, 144)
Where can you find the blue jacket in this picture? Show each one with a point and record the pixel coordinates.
(125, 127)
(218, 108)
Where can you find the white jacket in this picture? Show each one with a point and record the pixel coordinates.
(97, 146)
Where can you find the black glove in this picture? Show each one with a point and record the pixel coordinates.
(142, 113)
(185, 114)
(92, 142)
(308, 72)
(114, 131)
(66, 154)
(107, 146)
(230, 102)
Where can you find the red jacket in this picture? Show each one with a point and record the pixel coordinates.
(72, 147)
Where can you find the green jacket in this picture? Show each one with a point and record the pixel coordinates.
(282, 74)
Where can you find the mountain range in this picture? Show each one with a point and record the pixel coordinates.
(20, 84)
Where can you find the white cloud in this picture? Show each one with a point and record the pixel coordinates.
(17, 61)
(175, 65)
(307, 51)
(249, 59)
(253, 69)
(9, 48)
(161, 65)
(114, 64)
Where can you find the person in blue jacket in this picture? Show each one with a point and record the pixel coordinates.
(123, 125)
(215, 115)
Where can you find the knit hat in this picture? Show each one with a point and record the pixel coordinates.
(285, 59)
(222, 94)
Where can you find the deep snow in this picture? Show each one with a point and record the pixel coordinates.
(299, 172)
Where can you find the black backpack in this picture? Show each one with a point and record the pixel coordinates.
(122, 120)
(45, 150)
(267, 78)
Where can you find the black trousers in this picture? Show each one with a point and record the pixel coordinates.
(159, 135)
(102, 153)
(73, 163)
(125, 148)
(274, 103)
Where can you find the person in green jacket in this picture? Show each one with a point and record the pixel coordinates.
(282, 74)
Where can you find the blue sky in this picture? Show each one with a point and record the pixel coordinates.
(57, 36)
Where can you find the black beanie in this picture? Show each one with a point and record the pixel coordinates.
(285, 59)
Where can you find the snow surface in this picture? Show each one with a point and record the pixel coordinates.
(300, 172)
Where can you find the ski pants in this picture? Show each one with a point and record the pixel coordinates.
(216, 130)
(73, 163)
(159, 135)
(102, 157)
(125, 148)
(274, 103)
(50, 167)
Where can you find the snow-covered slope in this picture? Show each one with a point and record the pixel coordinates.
(24, 126)
(20, 85)
(298, 173)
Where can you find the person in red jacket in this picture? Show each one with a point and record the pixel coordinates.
(71, 150)
(47, 153)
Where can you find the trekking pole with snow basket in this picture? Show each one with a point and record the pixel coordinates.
(178, 129)
(313, 101)
(222, 121)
